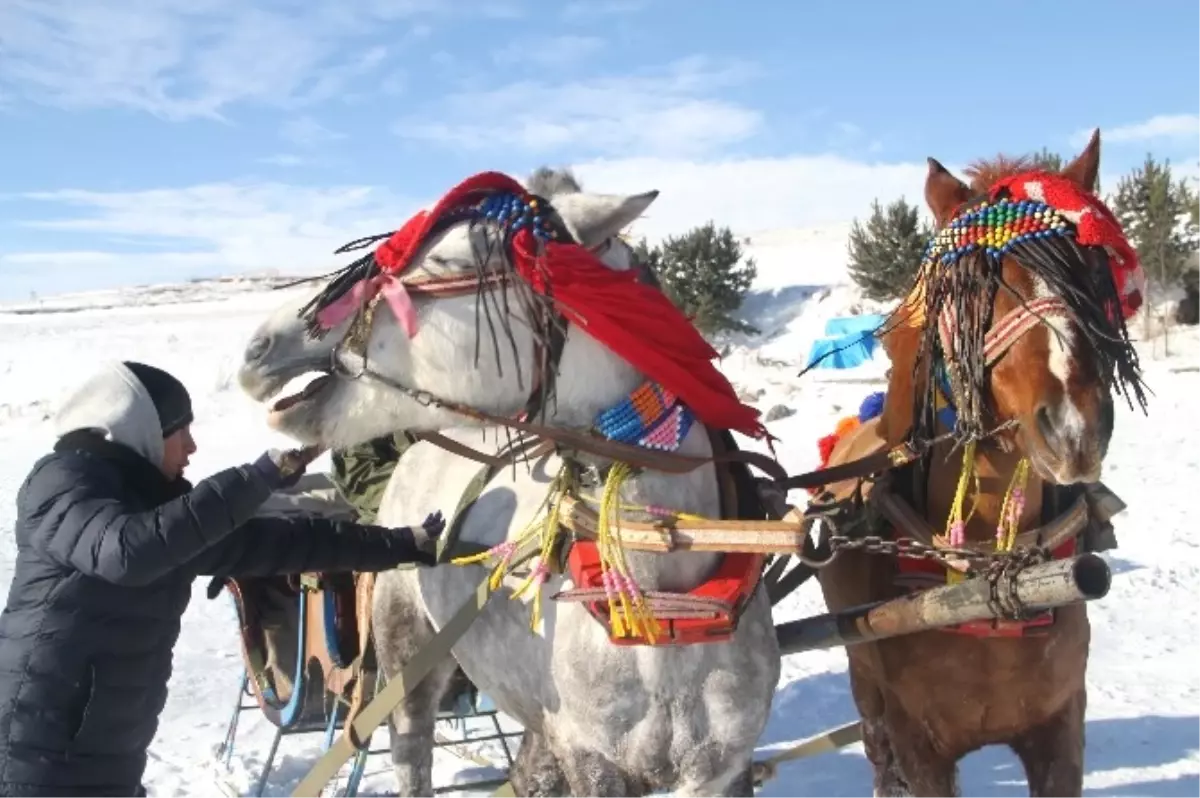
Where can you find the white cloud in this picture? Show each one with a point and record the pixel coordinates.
(668, 112)
(182, 59)
(549, 51)
(40, 274)
(1163, 126)
(166, 235)
(753, 194)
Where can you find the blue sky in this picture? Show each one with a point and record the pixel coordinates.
(154, 140)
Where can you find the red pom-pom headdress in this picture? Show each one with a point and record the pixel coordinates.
(634, 321)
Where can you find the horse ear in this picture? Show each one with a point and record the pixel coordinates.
(594, 218)
(1085, 169)
(944, 192)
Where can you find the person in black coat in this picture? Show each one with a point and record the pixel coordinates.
(110, 537)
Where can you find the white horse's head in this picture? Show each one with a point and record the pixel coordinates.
(475, 349)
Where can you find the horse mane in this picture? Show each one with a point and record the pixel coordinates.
(547, 181)
(1080, 276)
(494, 310)
(985, 172)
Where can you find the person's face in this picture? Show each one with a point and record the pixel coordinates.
(176, 450)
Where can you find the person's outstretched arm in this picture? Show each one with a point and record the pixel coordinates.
(79, 521)
(270, 545)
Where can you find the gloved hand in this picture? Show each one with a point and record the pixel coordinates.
(426, 535)
(282, 469)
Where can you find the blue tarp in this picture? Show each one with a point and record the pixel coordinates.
(849, 339)
(848, 351)
(846, 325)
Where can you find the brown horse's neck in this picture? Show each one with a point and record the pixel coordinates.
(994, 470)
(993, 467)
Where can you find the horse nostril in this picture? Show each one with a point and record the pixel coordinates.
(1045, 425)
(257, 348)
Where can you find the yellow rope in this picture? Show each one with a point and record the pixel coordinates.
(956, 524)
(649, 509)
(1012, 508)
(629, 613)
(548, 528)
(955, 520)
(628, 608)
(540, 568)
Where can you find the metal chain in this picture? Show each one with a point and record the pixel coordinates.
(1003, 600)
(953, 559)
(969, 562)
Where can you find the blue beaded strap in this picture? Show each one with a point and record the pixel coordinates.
(513, 213)
(650, 417)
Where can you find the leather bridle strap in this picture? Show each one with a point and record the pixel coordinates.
(656, 460)
(432, 286)
(1009, 330)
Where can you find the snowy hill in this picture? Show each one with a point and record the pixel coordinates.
(1143, 735)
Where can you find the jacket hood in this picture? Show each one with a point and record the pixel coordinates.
(114, 403)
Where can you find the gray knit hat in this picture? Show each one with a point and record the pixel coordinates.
(170, 397)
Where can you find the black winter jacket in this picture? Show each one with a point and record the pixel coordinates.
(107, 550)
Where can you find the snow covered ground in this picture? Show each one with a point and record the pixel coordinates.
(1143, 730)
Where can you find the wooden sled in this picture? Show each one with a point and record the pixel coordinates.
(305, 663)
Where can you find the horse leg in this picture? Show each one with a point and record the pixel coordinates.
(535, 771)
(741, 785)
(870, 702)
(401, 630)
(588, 773)
(926, 770)
(1052, 753)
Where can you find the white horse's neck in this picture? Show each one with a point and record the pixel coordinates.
(441, 359)
(590, 380)
(696, 492)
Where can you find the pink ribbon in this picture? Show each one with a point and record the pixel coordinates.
(394, 293)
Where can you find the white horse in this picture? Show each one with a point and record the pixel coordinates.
(601, 719)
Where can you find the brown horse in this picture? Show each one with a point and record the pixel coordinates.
(1032, 399)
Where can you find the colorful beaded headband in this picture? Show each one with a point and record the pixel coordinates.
(995, 227)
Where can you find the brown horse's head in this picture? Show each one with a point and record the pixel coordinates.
(1032, 338)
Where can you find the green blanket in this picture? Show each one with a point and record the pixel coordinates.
(361, 472)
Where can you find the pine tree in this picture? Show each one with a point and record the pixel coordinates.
(1193, 207)
(704, 274)
(886, 253)
(650, 259)
(1160, 220)
(1046, 161)
(1053, 162)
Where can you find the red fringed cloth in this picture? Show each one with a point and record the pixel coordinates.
(636, 322)
(1095, 225)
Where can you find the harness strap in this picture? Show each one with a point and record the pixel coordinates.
(363, 665)
(673, 462)
(786, 536)
(462, 450)
(666, 606)
(764, 770)
(396, 690)
(896, 457)
(1001, 337)
(901, 515)
(1019, 321)
(531, 449)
